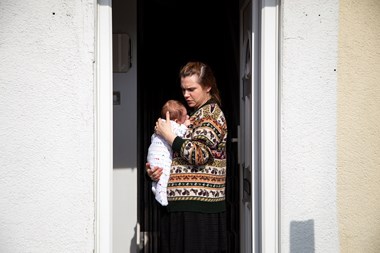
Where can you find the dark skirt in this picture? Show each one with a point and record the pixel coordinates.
(191, 232)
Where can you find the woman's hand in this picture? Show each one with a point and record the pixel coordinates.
(154, 173)
(164, 128)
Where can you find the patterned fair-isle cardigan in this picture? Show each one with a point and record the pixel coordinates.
(198, 171)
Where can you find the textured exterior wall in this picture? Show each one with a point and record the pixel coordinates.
(358, 126)
(308, 126)
(47, 126)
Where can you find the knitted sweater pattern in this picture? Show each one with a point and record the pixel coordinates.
(198, 171)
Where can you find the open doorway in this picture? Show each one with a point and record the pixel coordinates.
(170, 33)
(164, 35)
(239, 40)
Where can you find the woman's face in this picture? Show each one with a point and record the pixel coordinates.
(194, 94)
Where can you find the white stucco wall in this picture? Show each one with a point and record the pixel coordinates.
(47, 126)
(308, 126)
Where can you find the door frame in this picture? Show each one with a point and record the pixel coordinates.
(265, 121)
(103, 136)
(269, 125)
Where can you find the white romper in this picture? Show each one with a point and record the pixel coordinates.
(160, 154)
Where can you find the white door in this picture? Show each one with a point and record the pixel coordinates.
(258, 134)
(248, 141)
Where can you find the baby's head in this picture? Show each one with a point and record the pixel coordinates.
(177, 112)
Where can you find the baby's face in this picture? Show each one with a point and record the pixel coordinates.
(187, 121)
(184, 118)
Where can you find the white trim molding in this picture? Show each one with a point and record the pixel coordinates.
(269, 126)
(103, 128)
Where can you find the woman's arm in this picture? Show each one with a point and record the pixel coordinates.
(206, 137)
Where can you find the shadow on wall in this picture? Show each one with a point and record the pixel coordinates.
(133, 247)
(302, 236)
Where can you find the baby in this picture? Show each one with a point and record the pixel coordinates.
(160, 153)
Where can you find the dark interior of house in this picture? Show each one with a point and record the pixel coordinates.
(171, 33)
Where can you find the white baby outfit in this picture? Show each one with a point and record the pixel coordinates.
(160, 155)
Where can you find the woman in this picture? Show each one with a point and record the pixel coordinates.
(195, 220)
